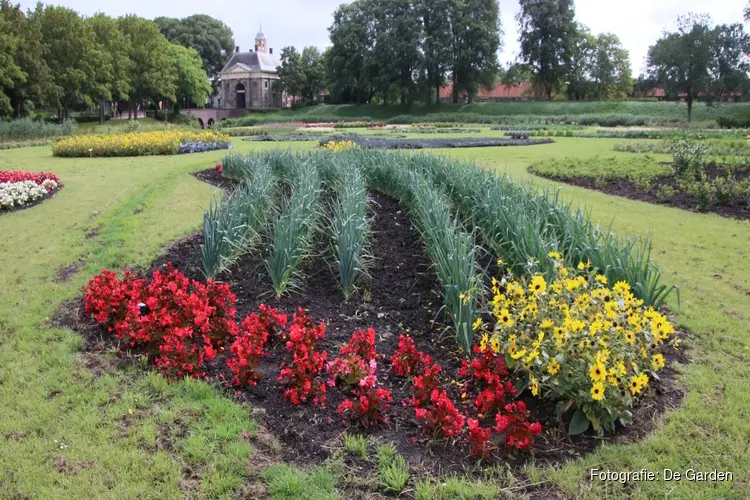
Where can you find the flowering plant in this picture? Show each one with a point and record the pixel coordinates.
(368, 401)
(18, 188)
(579, 342)
(179, 323)
(351, 366)
(168, 142)
(248, 347)
(340, 146)
(301, 376)
(432, 404)
(406, 360)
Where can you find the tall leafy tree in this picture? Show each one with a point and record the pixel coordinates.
(154, 74)
(290, 72)
(193, 85)
(112, 66)
(352, 68)
(581, 63)
(10, 73)
(477, 32)
(730, 67)
(516, 74)
(313, 72)
(680, 60)
(436, 44)
(547, 30)
(71, 56)
(212, 38)
(611, 74)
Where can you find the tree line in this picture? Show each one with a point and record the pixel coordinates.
(51, 57)
(390, 51)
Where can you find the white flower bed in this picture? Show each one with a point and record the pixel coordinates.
(15, 194)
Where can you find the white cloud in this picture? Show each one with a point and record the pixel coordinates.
(638, 23)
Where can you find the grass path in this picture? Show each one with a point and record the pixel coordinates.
(74, 429)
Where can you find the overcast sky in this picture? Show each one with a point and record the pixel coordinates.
(638, 23)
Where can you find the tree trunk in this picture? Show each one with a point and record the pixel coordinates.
(689, 100)
(130, 110)
(437, 94)
(101, 112)
(455, 89)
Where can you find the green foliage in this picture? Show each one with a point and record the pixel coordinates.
(349, 225)
(688, 157)
(547, 30)
(356, 445)
(294, 229)
(286, 482)
(26, 129)
(113, 67)
(237, 224)
(598, 167)
(698, 58)
(392, 468)
(454, 488)
(192, 82)
(208, 36)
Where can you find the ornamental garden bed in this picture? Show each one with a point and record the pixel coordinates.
(397, 305)
(458, 142)
(19, 190)
(720, 189)
(141, 144)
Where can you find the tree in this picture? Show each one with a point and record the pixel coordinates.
(611, 73)
(352, 68)
(113, 66)
(153, 74)
(547, 30)
(477, 31)
(192, 81)
(212, 38)
(516, 74)
(290, 72)
(729, 69)
(71, 56)
(681, 60)
(397, 33)
(313, 73)
(10, 73)
(581, 63)
(436, 45)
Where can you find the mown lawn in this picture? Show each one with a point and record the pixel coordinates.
(78, 426)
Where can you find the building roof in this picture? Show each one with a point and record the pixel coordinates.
(501, 91)
(255, 61)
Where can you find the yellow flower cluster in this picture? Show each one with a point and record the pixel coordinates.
(340, 146)
(163, 142)
(578, 340)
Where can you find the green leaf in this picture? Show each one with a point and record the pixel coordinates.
(578, 424)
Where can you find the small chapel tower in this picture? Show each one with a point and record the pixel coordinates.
(261, 44)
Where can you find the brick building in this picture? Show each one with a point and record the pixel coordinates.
(251, 79)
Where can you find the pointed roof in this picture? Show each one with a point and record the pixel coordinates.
(260, 35)
(254, 61)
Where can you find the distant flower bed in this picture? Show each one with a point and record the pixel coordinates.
(21, 188)
(141, 144)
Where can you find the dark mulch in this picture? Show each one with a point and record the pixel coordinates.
(4, 211)
(401, 295)
(457, 142)
(628, 189)
(213, 177)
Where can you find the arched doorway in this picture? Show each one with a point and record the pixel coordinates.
(200, 122)
(240, 90)
(210, 123)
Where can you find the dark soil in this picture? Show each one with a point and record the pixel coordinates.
(457, 142)
(4, 211)
(401, 296)
(213, 177)
(628, 189)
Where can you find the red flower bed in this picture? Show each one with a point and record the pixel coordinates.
(19, 176)
(182, 323)
(178, 322)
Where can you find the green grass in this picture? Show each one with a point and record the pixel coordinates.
(117, 455)
(356, 445)
(641, 167)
